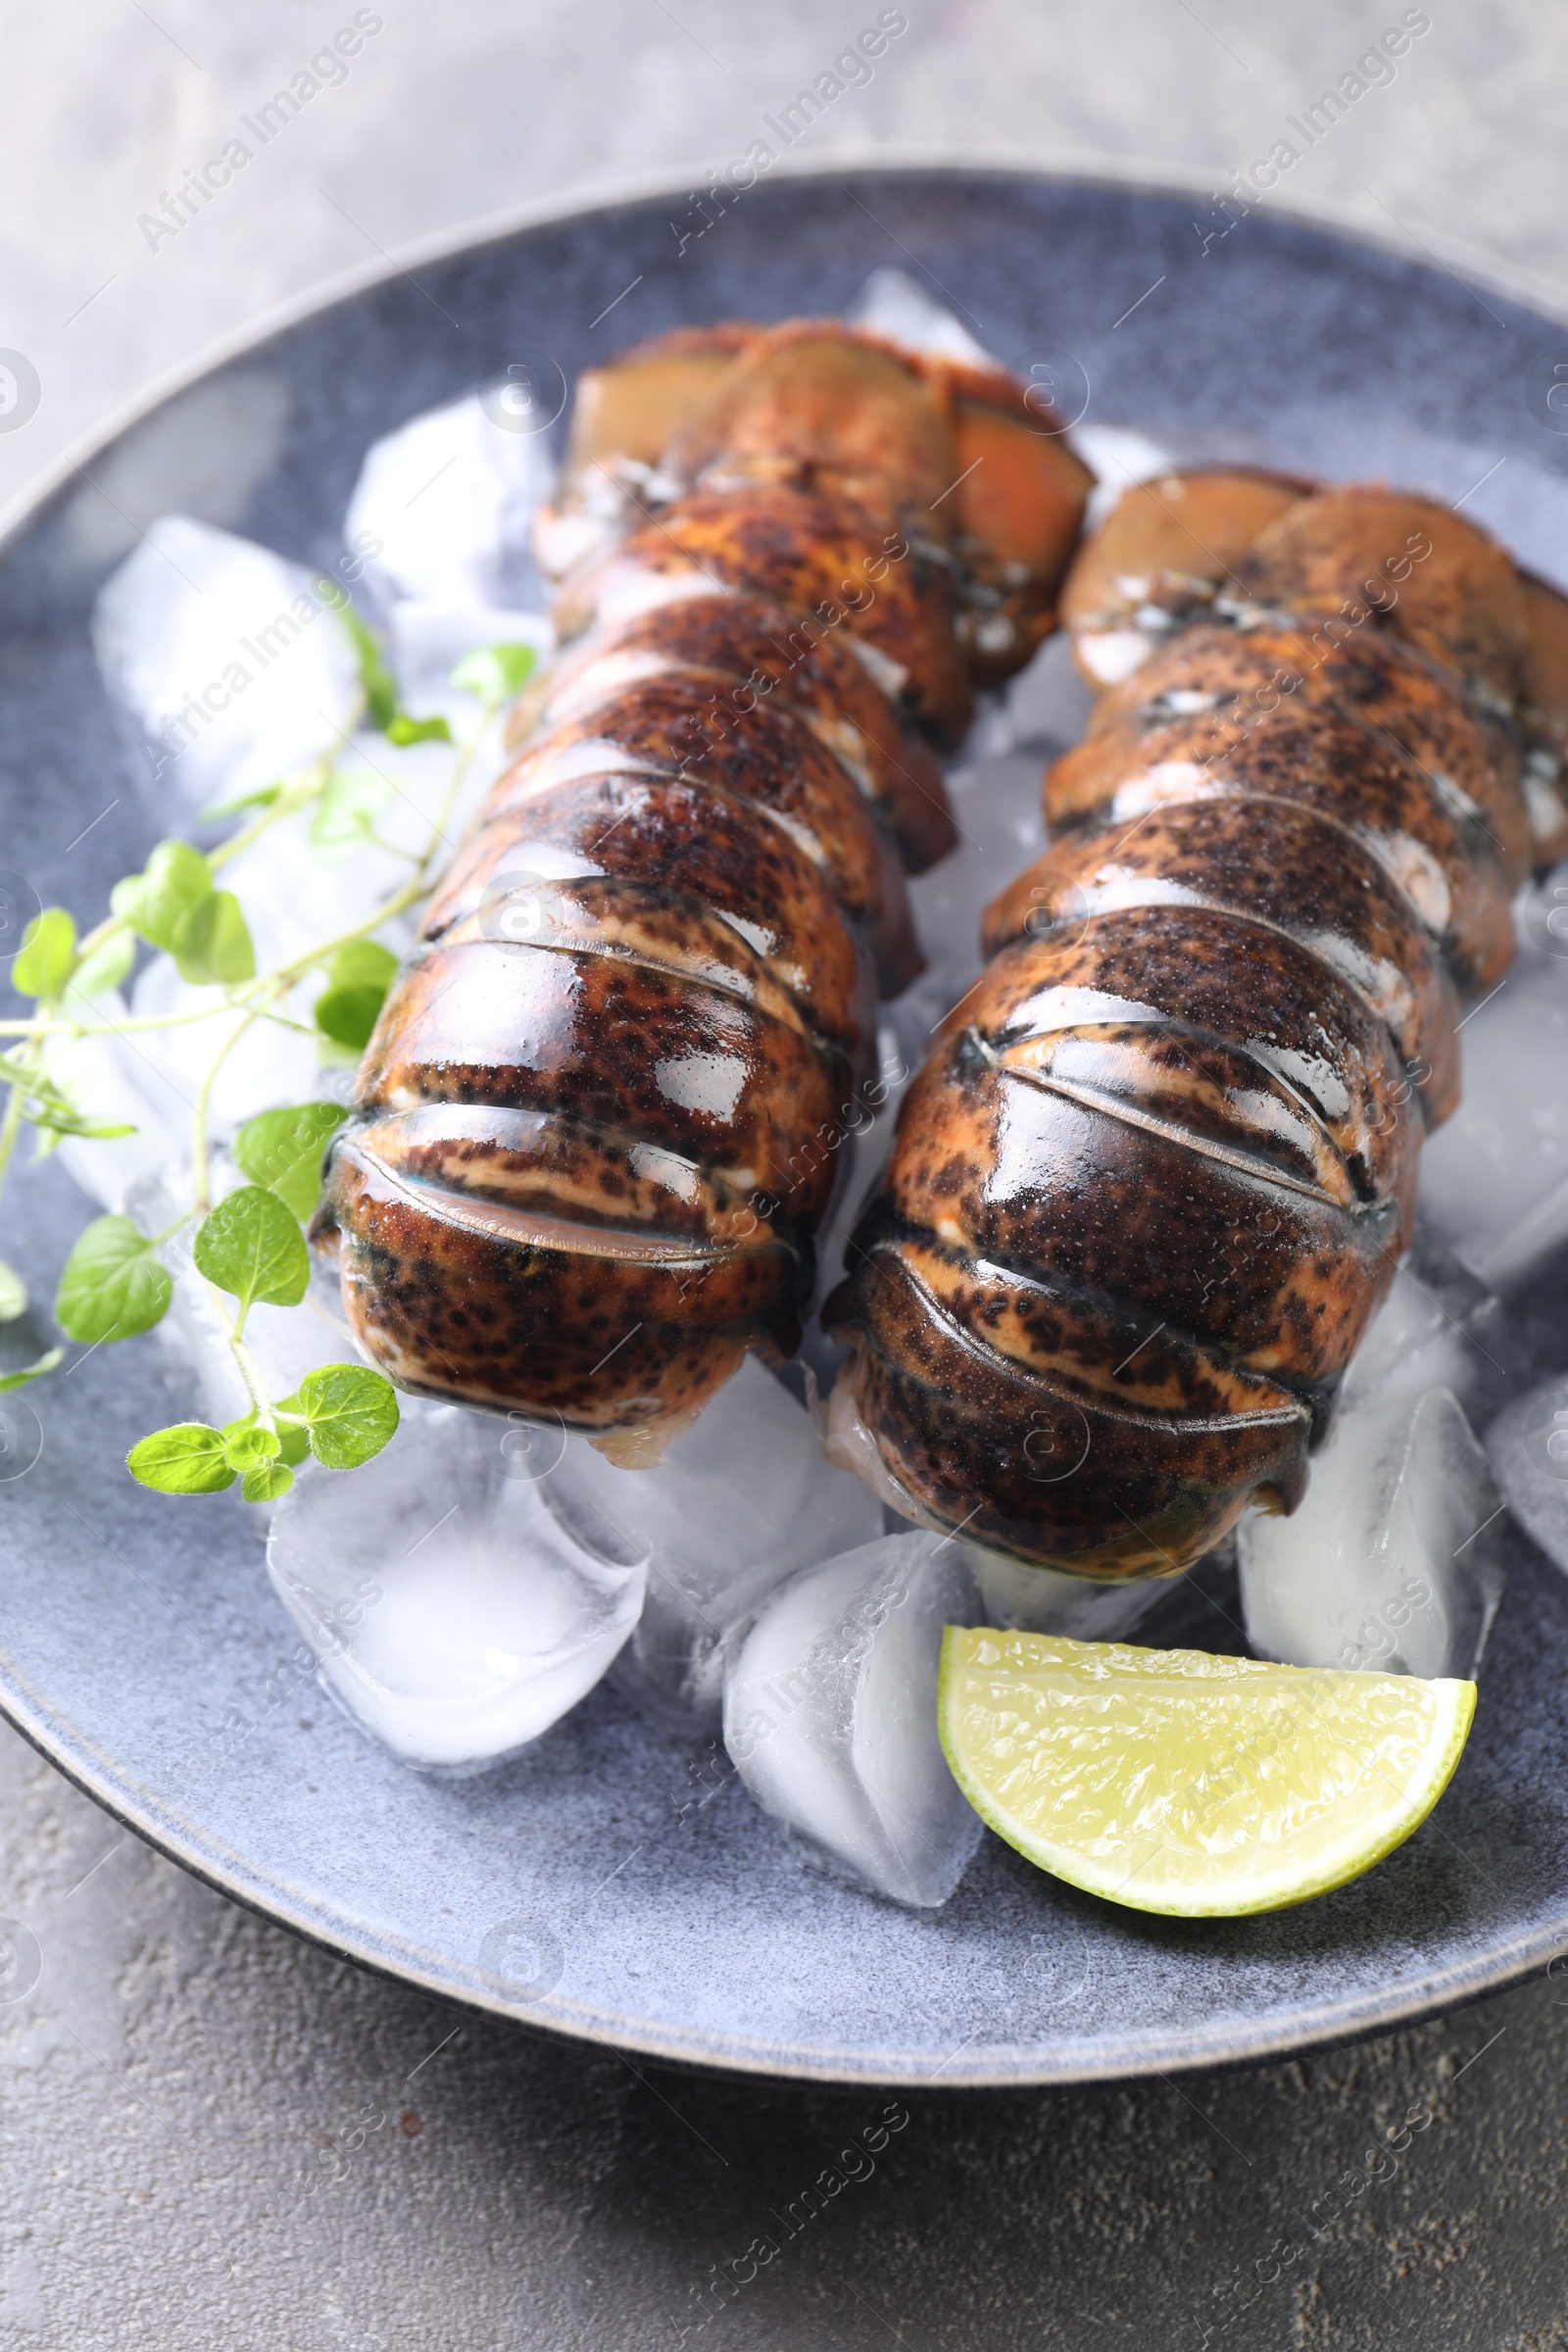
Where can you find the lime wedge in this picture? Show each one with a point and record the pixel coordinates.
(1202, 1787)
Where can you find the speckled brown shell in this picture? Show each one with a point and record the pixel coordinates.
(739, 651)
(1167, 550)
(833, 563)
(1157, 1174)
(1384, 560)
(1244, 674)
(963, 458)
(599, 1120)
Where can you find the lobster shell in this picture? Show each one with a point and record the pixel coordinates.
(1157, 1175)
(595, 1128)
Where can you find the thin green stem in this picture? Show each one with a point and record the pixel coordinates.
(390, 848)
(455, 782)
(10, 1127)
(307, 787)
(249, 1371)
(15, 1107)
(200, 1171)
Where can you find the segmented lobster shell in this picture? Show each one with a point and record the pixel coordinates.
(596, 1125)
(1160, 1170)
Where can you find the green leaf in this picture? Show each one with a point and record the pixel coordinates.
(104, 966)
(262, 798)
(363, 963)
(282, 1150)
(112, 1286)
(380, 695)
(176, 876)
(347, 1015)
(351, 1412)
(51, 1110)
(292, 1439)
(358, 980)
(210, 943)
(266, 1482)
(494, 674)
(251, 1246)
(187, 1459)
(247, 1446)
(48, 952)
(54, 1125)
(401, 728)
(45, 1364)
(346, 814)
(12, 1293)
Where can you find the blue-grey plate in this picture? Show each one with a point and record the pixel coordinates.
(610, 1883)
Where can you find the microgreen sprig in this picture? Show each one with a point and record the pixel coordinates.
(247, 1249)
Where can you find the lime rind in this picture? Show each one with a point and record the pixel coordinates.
(1393, 1741)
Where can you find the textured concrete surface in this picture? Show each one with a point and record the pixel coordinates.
(215, 2136)
(458, 108)
(186, 2090)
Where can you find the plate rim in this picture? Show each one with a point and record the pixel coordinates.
(1332, 2024)
(1348, 2018)
(890, 162)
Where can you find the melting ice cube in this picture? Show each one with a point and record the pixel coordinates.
(1121, 458)
(1043, 1600)
(307, 878)
(232, 662)
(115, 1085)
(430, 637)
(737, 1505)
(1495, 1176)
(995, 804)
(894, 306)
(830, 1715)
(1436, 1329)
(273, 1061)
(996, 807)
(1528, 1448)
(1393, 1560)
(452, 1616)
(445, 502)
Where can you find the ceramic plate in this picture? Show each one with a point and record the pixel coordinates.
(581, 1886)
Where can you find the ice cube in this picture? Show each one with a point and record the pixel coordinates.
(442, 507)
(1495, 1176)
(1043, 1600)
(302, 882)
(738, 1504)
(1394, 1560)
(863, 1158)
(272, 1063)
(329, 868)
(1527, 1449)
(995, 804)
(1120, 457)
(894, 306)
(430, 637)
(1048, 705)
(452, 1616)
(830, 1715)
(114, 1083)
(1437, 1327)
(230, 662)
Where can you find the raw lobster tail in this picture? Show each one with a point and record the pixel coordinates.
(586, 1163)
(1160, 1170)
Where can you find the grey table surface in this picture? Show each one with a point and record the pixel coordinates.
(173, 2083)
